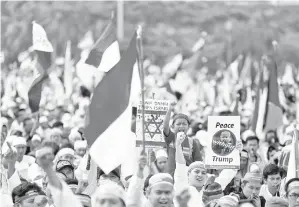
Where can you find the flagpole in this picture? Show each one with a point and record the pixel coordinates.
(120, 20)
(296, 150)
(140, 67)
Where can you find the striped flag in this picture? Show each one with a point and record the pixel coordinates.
(106, 43)
(273, 113)
(258, 93)
(235, 107)
(68, 71)
(87, 41)
(109, 121)
(43, 48)
(293, 165)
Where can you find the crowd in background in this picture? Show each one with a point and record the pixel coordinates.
(45, 161)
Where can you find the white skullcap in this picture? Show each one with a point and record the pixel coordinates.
(65, 151)
(55, 131)
(221, 109)
(289, 129)
(74, 134)
(5, 148)
(161, 153)
(108, 189)
(246, 134)
(80, 144)
(9, 139)
(66, 118)
(247, 113)
(43, 119)
(60, 102)
(36, 137)
(202, 136)
(46, 113)
(19, 141)
(50, 106)
(4, 121)
(84, 102)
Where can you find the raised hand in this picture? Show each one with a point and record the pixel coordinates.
(183, 198)
(45, 158)
(172, 106)
(142, 162)
(239, 146)
(11, 154)
(180, 138)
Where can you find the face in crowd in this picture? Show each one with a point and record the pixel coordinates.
(292, 191)
(160, 195)
(180, 125)
(252, 145)
(109, 201)
(111, 177)
(68, 172)
(161, 163)
(67, 157)
(251, 188)
(273, 181)
(81, 151)
(29, 195)
(109, 195)
(243, 162)
(21, 150)
(198, 177)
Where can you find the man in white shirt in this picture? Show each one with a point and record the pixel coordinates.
(23, 161)
(272, 177)
(9, 177)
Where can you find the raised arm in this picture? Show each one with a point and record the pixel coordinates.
(135, 191)
(12, 175)
(61, 193)
(167, 118)
(180, 174)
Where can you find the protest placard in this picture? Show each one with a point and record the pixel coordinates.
(155, 111)
(223, 133)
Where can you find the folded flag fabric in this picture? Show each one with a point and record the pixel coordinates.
(274, 114)
(43, 49)
(107, 39)
(293, 165)
(87, 41)
(109, 117)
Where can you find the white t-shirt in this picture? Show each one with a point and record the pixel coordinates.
(23, 166)
(266, 193)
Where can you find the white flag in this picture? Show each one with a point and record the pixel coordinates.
(40, 39)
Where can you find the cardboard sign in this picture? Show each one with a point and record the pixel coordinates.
(155, 111)
(224, 134)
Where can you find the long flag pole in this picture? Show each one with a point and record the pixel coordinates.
(296, 150)
(141, 72)
(120, 20)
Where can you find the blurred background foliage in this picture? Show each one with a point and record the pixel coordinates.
(170, 28)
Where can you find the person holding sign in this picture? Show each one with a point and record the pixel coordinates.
(195, 177)
(179, 128)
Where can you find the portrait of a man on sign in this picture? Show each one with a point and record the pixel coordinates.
(224, 142)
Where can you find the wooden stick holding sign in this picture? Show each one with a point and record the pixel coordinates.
(141, 72)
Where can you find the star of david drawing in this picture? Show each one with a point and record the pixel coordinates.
(153, 121)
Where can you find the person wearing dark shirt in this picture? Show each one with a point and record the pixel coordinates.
(190, 146)
(251, 186)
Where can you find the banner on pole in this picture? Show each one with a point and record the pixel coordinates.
(154, 112)
(224, 133)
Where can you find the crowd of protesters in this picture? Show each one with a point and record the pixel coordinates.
(45, 160)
